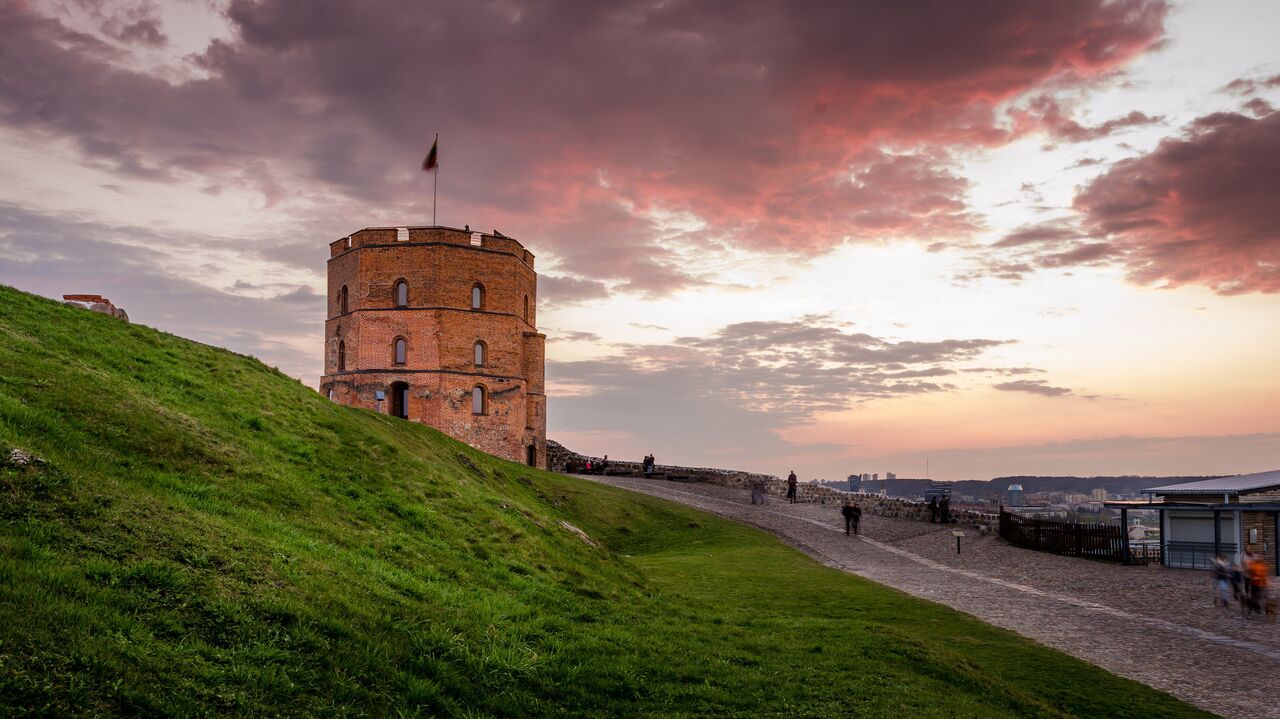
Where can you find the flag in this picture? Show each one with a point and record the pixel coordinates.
(432, 161)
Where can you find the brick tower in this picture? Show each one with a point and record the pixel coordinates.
(437, 325)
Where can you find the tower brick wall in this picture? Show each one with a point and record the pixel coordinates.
(440, 267)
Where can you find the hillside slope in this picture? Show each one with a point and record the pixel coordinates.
(206, 536)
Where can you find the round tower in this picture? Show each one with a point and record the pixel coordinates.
(438, 325)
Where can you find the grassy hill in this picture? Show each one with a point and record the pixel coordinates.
(207, 536)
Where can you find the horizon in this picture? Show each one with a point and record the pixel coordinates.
(1008, 239)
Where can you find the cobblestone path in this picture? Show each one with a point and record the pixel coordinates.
(1151, 624)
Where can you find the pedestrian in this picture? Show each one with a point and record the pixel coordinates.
(933, 510)
(588, 466)
(847, 511)
(1237, 579)
(857, 517)
(1257, 573)
(757, 491)
(604, 464)
(944, 509)
(791, 486)
(1221, 581)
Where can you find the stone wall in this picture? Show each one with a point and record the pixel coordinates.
(558, 456)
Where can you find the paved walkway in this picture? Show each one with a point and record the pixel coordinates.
(1151, 624)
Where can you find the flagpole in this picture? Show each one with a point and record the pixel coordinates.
(435, 184)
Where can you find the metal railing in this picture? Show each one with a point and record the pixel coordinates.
(1074, 539)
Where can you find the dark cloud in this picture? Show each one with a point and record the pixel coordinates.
(1258, 107)
(144, 32)
(1057, 243)
(574, 121)
(1033, 386)
(559, 290)
(1251, 85)
(1047, 114)
(1198, 209)
(572, 336)
(790, 370)
(1044, 232)
(729, 393)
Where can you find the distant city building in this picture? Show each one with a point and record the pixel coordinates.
(875, 476)
(855, 483)
(890, 476)
(1099, 494)
(939, 490)
(1015, 495)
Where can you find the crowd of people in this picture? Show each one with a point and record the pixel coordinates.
(588, 465)
(591, 465)
(1244, 581)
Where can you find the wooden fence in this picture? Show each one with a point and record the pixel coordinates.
(1075, 539)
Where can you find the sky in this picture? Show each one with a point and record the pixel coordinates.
(964, 239)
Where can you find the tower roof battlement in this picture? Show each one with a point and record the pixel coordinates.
(430, 234)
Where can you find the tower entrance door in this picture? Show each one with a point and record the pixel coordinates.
(532, 455)
(400, 400)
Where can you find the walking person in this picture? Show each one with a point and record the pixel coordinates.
(1221, 581)
(757, 491)
(850, 524)
(944, 509)
(791, 487)
(933, 510)
(857, 517)
(1257, 574)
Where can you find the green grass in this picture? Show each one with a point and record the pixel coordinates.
(209, 537)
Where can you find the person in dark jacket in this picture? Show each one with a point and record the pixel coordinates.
(791, 487)
(944, 509)
(847, 511)
(852, 515)
(933, 510)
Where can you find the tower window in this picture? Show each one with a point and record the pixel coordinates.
(477, 296)
(402, 350)
(478, 403)
(480, 354)
(402, 294)
(526, 308)
(342, 300)
(342, 356)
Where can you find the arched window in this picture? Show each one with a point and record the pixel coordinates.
(477, 296)
(402, 294)
(478, 403)
(342, 300)
(342, 356)
(402, 350)
(480, 354)
(526, 308)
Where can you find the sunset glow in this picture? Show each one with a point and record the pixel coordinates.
(1019, 238)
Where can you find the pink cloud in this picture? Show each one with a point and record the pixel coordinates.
(567, 123)
(1199, 209)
